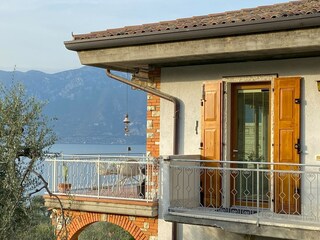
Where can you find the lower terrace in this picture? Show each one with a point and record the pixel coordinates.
(103, 183)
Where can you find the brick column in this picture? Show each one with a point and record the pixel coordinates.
(153, 132)
(153, 116)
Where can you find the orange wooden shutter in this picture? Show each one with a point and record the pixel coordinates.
(211, 142)
(287, 144)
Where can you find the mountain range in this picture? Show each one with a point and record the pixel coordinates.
(89, 106)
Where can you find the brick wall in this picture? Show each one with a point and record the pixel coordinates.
(153, 130)
(153, 116)
(141, 228)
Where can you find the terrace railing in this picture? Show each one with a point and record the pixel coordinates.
(103, 176)
(250, 192)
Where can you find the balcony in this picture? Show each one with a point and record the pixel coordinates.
(106, 184)
(243, 197)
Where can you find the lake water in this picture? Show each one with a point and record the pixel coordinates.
(97, 149)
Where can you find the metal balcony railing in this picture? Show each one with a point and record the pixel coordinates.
(103, 176)
(250, 192)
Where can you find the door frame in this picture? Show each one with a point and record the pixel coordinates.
(234, 133)
(247, 86)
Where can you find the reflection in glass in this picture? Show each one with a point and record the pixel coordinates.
(252, 143)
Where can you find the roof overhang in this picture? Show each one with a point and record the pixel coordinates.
(260, 40)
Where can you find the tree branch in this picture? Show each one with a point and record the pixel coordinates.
(45, 186)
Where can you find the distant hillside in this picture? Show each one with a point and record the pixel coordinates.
(90, 107)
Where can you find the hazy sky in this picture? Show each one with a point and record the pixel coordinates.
(33, 31)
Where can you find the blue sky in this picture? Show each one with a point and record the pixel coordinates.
(33, 31)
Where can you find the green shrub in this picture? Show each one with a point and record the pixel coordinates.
(104, 230)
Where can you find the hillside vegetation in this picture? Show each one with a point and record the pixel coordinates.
(89, 106)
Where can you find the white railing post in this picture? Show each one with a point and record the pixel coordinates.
(258, 191)
(165, 186)
(54, 180)
(98, 176)
(317, 192)
(149, 180)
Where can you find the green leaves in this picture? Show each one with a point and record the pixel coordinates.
(104, 230)
(25, 137)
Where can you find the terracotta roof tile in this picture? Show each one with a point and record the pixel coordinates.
(262, 13)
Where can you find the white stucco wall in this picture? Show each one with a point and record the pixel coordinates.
(185, 83)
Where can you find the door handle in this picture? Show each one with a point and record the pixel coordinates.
(298, 146)
(234, 153)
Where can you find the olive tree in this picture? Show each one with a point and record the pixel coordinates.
(25, 137)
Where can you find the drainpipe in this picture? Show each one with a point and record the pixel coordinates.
(176, 109)
(175, 101)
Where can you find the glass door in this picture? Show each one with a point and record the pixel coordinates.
(250, 144)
